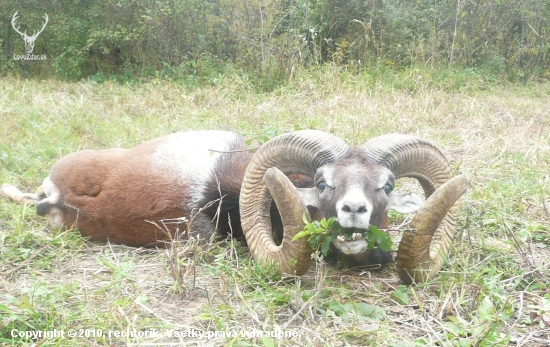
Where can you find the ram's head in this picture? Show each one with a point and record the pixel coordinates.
(355, 185)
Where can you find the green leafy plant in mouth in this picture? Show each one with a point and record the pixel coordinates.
(322, 233)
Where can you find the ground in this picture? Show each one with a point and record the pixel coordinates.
(491, 291)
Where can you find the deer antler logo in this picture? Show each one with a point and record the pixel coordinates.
(29, 40)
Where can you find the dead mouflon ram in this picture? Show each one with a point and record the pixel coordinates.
(114, 194)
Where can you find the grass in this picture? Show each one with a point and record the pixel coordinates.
(491, 292)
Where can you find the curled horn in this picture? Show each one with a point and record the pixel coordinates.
(300, 152)
(424, 248)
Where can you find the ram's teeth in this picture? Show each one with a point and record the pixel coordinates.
(356, 236)
(341, 238)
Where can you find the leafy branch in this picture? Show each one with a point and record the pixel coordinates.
(322, 233)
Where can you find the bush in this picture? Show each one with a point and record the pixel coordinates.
(269, 40)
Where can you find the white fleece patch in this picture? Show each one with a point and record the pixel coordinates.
(51, 191)
(190, 157)
(55, 216)
(404, 202)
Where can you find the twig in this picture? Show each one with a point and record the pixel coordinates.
(320, 278)
(529, 262)
(526, 273)
(236, 150)
(297, 313)
(519, 313)
(251, 311)
(233, 249)
(544, 207)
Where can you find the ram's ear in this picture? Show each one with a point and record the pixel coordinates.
(310, 196)
(404, 202)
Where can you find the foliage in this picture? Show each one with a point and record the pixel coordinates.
(195, 41)
(322, 233)
(352, 311)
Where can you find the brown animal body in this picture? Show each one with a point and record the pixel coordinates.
(115, 194)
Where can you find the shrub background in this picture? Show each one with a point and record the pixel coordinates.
(196, 40)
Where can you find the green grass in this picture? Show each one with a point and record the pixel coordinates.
(491, 292)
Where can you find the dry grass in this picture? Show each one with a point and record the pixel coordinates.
(493, 291)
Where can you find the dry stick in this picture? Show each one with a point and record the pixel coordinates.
(217, 215)
(176, 270)
(519, 314)
(315, 335)
(526, 273)
(320, 279)
(416, 327)
(433, 332)
(233, 249)
(522, 253)
(150, 311)
(297, 313)
(544, 204)
(526, 339)
(172, 254)
(251, 311)
(236, 150)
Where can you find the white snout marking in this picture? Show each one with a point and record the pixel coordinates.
(354, 219)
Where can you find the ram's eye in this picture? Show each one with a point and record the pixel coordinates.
(387, 189)
(322, 185)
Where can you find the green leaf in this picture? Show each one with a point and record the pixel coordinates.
(369, 311)
(304, 219)
(385, 245)
(301, 234)
(335, 306)
(420, 342)
(455, 329)
(380, 237)
(486, 309)
(204, 316)
(326, 245)
(268, 341)
(314, 242)
(400, 295)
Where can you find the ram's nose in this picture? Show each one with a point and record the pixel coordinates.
(354, 213)
(354, 207)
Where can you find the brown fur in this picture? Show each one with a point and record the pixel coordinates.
(111, 194)
(116, 194)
